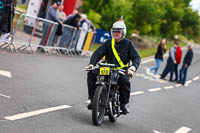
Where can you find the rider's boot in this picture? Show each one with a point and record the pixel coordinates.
(124, 108)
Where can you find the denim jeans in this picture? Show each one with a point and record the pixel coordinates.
(183, 74)
(176, 71)
(169, 68)
(157, 66)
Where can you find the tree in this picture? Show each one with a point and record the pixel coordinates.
(151, 17)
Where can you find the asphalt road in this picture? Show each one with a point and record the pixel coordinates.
(48, 94)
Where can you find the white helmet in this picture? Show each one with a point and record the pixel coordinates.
(119, 26)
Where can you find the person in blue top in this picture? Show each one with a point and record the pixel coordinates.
(171, 61)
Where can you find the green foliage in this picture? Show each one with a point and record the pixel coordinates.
(114, 10)
(163, 18)
(94, 17)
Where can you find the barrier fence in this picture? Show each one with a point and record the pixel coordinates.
(33, 34)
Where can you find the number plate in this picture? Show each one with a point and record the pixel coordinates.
(104, 71)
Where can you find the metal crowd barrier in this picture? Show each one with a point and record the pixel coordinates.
(33, 34)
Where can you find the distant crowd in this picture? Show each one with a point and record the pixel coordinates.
(173, 62)
(76, 19)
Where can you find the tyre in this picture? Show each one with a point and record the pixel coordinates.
(99, 105)
(112, 115)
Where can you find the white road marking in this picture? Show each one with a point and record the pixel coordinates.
(154, 89)
(137, 74)
(162, 81)
(151, 59)
(142, 75)
(88, 101)
(5, 73)
(186, 85)
(5, 96)
(37, 112)
(183, 130)
(156, 131)
(136, 93)
(152, 79)
(168, 87)
(196, 78)
(146, 61)
(147, 77)
(180, 130)
(178, 85)
(189, 82)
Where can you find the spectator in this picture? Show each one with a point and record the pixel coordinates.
(171, 61)
(159, 56)
(73, 21)
(67, 33)
(135, 34)
(91, 26)
(52, 12)
(61, 15)
(74, 12)
(186, 63)
(83, 23)
(178, 60)
(52, 16)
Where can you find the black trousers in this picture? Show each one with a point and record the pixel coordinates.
(123, 82)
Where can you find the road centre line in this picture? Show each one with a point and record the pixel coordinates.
(151, 79)
(5, 73)
(196, 78)
(183, 130)
(151, 59)
(2, 95)
(36, 112)
(136, 93)
(156, 131)
(147, 61)
(186, 85)
(137, 74)
(154, 89)
(189, 82)
(168, 87)
(178, 85)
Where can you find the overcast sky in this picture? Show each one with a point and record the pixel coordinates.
(195, 5)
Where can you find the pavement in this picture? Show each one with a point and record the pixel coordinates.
(48, 94)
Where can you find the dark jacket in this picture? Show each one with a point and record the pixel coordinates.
(160, 52)
(72, 21)
(125, 50)
(188, 57)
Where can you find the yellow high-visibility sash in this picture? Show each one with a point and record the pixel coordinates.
(117, 56)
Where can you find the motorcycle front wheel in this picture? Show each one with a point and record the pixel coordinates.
(99, 105)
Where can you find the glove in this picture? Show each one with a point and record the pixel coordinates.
(89, 67)
(131, 70)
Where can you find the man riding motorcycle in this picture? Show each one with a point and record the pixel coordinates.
(119, 51)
